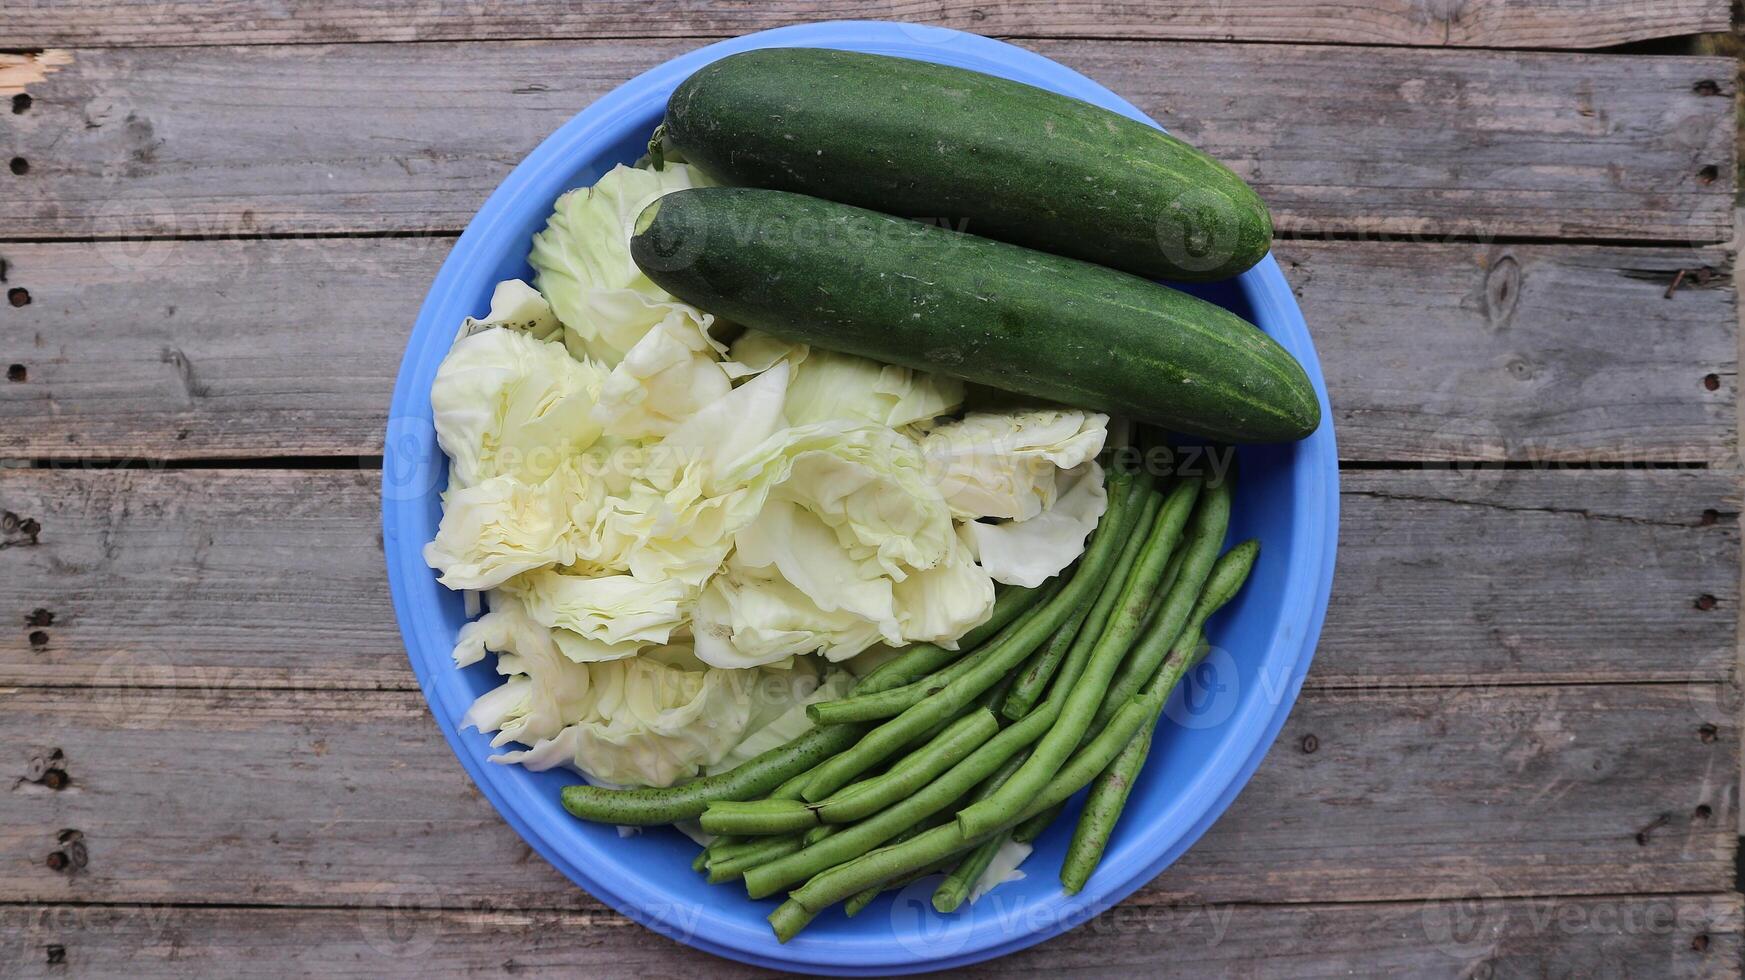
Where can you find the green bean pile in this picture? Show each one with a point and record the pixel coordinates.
(939, 757)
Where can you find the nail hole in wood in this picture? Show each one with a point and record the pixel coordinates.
(1707, 732)
(55, 779)
(1707, 86)
(56, 861)
(1705, 602)
(44, 617)
(1707, 174)
(1710, 516)
(20, 166)
(18, 296)
(1700, 942)
(38, 639)
(16, 372)
(1310, 743)
(57, 954)
(21, 103)
(1712, 382)
(1703, 811)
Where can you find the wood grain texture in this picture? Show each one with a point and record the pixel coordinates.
(1540, 353)
(214, 579)
(351, 798)
(1649, 936)
(1480, 23)
(378, 138)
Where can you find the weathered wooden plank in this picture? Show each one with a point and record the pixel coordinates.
(213, 579)
(1480, 23)
(1658, 936)
(1432, 352)
(239, 141)
(351, 798)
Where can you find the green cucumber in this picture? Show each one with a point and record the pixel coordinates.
(986, 155)
(848, 279)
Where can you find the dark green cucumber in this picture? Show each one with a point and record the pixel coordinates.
(848, 279)
(990, 156)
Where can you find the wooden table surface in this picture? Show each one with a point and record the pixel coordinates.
(1517, 752)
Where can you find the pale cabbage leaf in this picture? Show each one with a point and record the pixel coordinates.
(582, 265)
(1028, 552)
(1003, 464)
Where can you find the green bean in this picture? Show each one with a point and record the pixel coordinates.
(1034, 827)
(1102, 808)
(729, 846)
(701, 861)
(894, 701)
(791, 787)
(892, 827)
(920, 659)
(748, 780)
(1109, 793)
(1089, 621)
(840, 881)
(1069, 728)
(1240, 557)
(968, 869)
(818, 833)
(955, 889)
(995, 696)
(1205, 540)
(910, 773)
(1171, 572)
(860, 900)
(891, 736)
(856, 839)
(772, 848)
(758, 817)
(789, 918)
(981, 773)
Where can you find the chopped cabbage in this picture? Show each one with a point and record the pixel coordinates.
(784, 695)
(665, 378)
(867, 483)
(545, 690)
(497, 529)
(619, 610)
(755, 352)
(749, 617)
(829, 387)
(1028, 552)
(650, 720)
(1002, 465)
(582, 265)
(517, 306)
(506, 403)
(940, 604)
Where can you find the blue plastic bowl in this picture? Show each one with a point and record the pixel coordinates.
(1216, 730)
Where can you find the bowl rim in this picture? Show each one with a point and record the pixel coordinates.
(412, 466)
